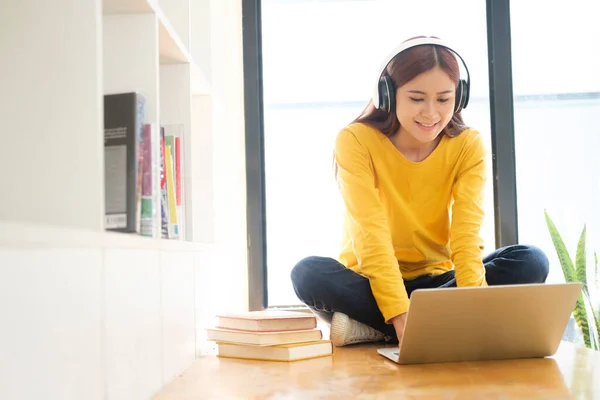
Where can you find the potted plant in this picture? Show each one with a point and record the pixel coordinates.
(586, 313)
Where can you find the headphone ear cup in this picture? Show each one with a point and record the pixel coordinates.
(386, 93)
(458, 98)
(466, 93)
(461, 96)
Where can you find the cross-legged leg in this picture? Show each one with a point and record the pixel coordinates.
(516, 264)
(513, 265)
(326, 287)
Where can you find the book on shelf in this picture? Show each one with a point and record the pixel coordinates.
(123, 137)
(143, 170)
(149, 204)
(171, 181)
(269, 335)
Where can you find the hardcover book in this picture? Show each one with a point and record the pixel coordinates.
(123, 141)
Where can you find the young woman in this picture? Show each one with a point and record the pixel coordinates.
(411, 176)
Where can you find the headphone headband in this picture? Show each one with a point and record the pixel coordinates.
(405, 46)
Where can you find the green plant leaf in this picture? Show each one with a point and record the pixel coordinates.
(581, 262)
(581, 318)
(579, 313)
(597, 287)
(594, 326)
(561, 250)
(597, 280)
(597, 323)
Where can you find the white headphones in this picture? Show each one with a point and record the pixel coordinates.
(385, 92)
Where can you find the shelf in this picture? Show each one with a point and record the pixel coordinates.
(30, 235)
(126, 7)
(171, 48)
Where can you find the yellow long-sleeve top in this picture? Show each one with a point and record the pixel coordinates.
(404, 219)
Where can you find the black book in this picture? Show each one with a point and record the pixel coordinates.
(123, 139)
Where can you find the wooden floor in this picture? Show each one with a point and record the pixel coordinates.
(359, 372)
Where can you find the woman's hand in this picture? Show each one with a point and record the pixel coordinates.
(399, 322)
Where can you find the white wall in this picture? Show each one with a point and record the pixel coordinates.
(229, 161)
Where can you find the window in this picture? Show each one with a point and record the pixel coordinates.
(557, 100)
(319, 60)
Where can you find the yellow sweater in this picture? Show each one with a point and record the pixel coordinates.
(404, 219)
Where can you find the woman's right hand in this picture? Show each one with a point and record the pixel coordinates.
(399, 323)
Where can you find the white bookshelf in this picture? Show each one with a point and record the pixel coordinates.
(147, 48)
(60, 66)
(102, 315)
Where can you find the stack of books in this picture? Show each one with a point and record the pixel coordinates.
(269, 335)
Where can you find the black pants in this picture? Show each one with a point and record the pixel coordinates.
(326, 286)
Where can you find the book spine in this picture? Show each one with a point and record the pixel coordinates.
(148, 211)
(164, 206)
(135, 200)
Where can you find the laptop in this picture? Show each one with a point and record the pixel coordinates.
(485, 323)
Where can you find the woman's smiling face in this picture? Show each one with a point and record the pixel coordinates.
(425, 105)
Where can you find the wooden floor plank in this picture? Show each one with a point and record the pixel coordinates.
(359, 372)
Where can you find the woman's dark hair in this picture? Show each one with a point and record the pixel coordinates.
(403, 68)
